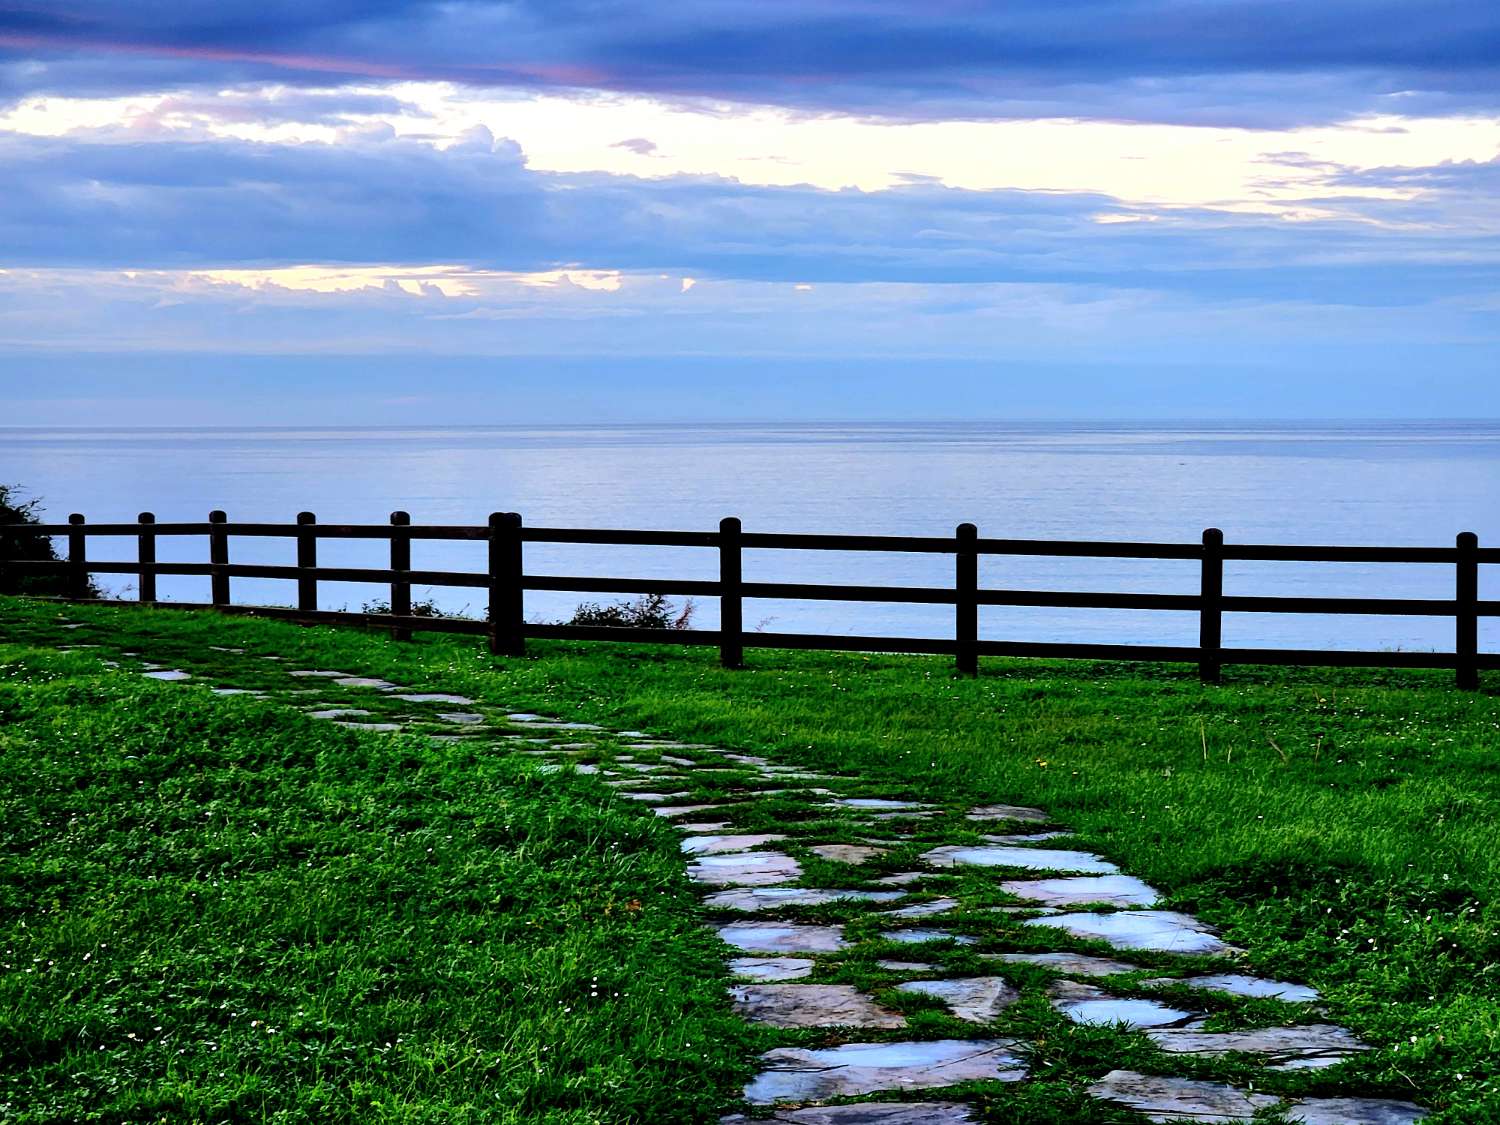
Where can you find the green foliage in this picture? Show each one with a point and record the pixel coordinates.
(15, 512)
(649, 611)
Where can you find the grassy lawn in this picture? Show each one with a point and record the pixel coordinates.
(1344, 827)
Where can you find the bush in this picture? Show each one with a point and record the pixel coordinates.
(15, 512)
(649, 611)
(426, 608)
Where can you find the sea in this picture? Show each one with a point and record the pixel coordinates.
(1390, 484)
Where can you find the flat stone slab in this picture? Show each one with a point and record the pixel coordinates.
(755, 899)
(745, 869)
(1158, 931)
(876, 804)
(652, 798)
(1008, 812)
(902, 878)
(1307, 1047)
(466, 718)
(715, 845)
(303, 673)
(917, 936)
(846, 853)
(384, 728)
(1073, 964)
(1030, 859)
(1111, 890)
(1024, 837)
(705, 827)
(782, 937)
(365, 682)
(1354, 1111)
(771, 968)
(800, 1074)
(171, 675)
(976, 999)
(670, 811)
(905, 966)
(432, 697)
(1178, 1099)
(811, 1005)
(881, 1113)
(924, 909)
(338, 713)
(1238, 984)
(1088, 1003)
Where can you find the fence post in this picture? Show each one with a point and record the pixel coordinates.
(401, 574)
(966, 600)
(731, 595)
(307, 561)
(1211, 607)
(78, 569)
(218, 556)
(507, 599)
(145, 542)
(1466, 612)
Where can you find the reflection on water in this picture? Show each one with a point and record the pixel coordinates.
(1394, 484)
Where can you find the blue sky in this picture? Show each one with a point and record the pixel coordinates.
(490, 212)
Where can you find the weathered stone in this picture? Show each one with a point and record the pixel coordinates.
(1031, 859)
(811, 1005)
(800, 1074)
(1087, 1003)
(337, 713)
(1178, 1099)
(1237, 984)
(917, 936)
(653, 798)
(432, 697)
(365, 682)
(715, 845)
(460, 718)
(1160, 931)
(771, 968)
(878, 804)
(1008, 812)
(170, 675)
(670, 811)
(1353, 1111)
(905, 966)
(976, 999)
(1074, 964)
(754, 899)
(1306, 1047)
(924, 909)
(905, 814)
(902, 878)
(384, 728)
(878, 1113)
(846, 853)
(1024, 838)
(704, 827)
(745, 869)
(304, 673)
(1111, 890)
(782, 937)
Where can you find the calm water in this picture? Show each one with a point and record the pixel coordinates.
(1414, 484)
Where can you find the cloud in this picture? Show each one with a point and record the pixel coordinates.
(638, 145)
(1256, 62)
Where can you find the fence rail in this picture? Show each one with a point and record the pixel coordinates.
(506, 582)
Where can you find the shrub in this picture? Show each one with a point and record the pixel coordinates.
(15, 512)
(649, 611)
(428, 608)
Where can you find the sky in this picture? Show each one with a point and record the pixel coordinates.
(520, 211)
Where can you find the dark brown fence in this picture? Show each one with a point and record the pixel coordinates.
(506, 581)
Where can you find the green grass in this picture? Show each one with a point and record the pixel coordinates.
(218, 910)
(1344, 827)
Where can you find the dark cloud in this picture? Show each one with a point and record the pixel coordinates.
(1257, 62)
(227, 203)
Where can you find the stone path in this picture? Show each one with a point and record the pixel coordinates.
(910, 934)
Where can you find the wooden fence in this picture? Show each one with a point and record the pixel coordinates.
(506, 581)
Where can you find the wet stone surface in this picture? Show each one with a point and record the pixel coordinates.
(1087, 1003)
(715, 845)
(924, 909)
(1237, 984)
(1110, 890)
(976, 999)
(917, 936)
(755, 899)
(811, 1005)
(771, 968)
(879, 1113)
(846, 853)
(1159, 931)
(1072, 964)
(1307, 1047)
(168, 675)
(799, 1074)
(1018, 813)
(1032, 859)
(745, 869)
(1354, 1111)
(1178, 1099)
(782, 937)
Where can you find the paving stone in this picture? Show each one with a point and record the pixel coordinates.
(902, 878)
(384, 728)
(464, 718)
(670, 811)
(640, 767)
(365, 682)
(800, 1074)
(1008, 812)
(1353, 1111)
(846, 853)
(1029, 911)
(309, 672)
(1031, 859)
(909, 814)
(924, 909)
(669, 760)
(1074, 964)
(1178, 1099)
(754, 899)
(338, 713)
(879, 804)
(782, 937)
(916, 936)
(170, 675)
(1237, 984)
(976, 999)
(1025, 838)
(716, 845)
(1088, 1003)
(1159, 931)
(746, 869)
(432, 697)
(653, 798)
(878, 1113)
(906, 966)
(811, 1005)
(1307, 1047)
(771, 968)
(704, 827)
(1112, 890)
(217, 690)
